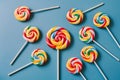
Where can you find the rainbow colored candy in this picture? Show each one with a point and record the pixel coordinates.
(101, 20)
(89, 54)
(39, 57)
(74, 65)
(74, 16)
(86, 34)
(31, 34)
(58, 38)
(22, 13)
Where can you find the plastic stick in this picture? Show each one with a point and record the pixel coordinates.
(113, 37)
(18, 53)
(19, 69)
(94, 7)
(106, 51)
(57, 64)
(44, 9)
(82, 76)
(100, 70)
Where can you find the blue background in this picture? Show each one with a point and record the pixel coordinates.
(11, 40)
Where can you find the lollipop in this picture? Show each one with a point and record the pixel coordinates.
(74, 66)
(38, 57)
(23, 13)
(89, 54)
(58, 38)
(75, 16)
(30, 34)
(87, 34)
(101, 20)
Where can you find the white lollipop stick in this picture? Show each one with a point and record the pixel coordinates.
(94, 7)
(44, 9)
(82, 76)
(100, 71)
(57, 64)
(106, 51)
(18, 53)
(113, 37)
(19, 69)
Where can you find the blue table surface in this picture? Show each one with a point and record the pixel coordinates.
(11, 40)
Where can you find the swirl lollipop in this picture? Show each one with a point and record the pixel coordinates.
(74, 66)
(58, 38)
(23, 13)
(101, 20)
(38, 57)
(89, 54)
(75, 16)
(87, 34)
(30, 34)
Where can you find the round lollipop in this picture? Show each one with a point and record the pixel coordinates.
(87, 34)
(30, 34)
(38, 57)
(74, 66)
(58, 38)
(75, 16)
(23, 13)
(89, 54)
(101, 20)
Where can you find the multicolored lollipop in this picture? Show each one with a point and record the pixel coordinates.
(74, 66)
(38, 57)
(75, 16)
(87, 34)
(23, 13)
(30, 34)
(58, 38)
(89, 54)
(101, 20)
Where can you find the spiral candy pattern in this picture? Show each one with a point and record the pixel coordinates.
(86, 34)
(22, 13)
(31, 34)
(58, 38)
(74, 16)
(74, 65)
(39, 57)
(101, 20)
(89, 54)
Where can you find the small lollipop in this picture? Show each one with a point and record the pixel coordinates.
(87, 34)
(23, 13)
(58, 38)
(74, 66)
(101, 20)
(30, 34)
(75, 16)
(89, 54)
(38, 57)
